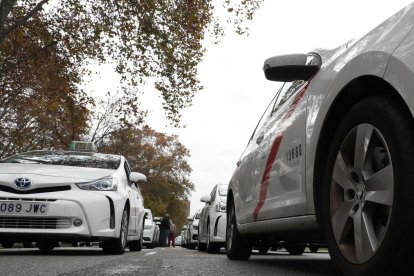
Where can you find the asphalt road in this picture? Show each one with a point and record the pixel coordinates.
(159, 261)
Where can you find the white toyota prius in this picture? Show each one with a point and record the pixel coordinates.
(332, 158)
(53, 196)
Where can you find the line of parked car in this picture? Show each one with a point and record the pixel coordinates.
(206, 229)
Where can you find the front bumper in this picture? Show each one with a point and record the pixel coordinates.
(148, 236)
(219, 229)
(99, 212)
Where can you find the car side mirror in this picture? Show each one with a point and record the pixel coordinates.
(206, 199)
(293, 67)
(137, 177)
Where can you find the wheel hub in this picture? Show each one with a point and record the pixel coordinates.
(360, 192)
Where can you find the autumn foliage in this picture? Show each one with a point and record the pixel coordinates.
(46, 51)
(163, 159)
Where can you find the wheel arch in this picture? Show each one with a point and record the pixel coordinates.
(356, 90)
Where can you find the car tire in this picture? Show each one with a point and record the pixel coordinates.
(313, 248)
(28, 244)
(7, 244)
(368, 189)
(211, 247)
(263, 249)
(137, 245)
(295, 249)
(117, 245)
(200, 246)
(238, 247)
(46, 246)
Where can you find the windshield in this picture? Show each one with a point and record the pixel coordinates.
(67, 158)
(223, 190)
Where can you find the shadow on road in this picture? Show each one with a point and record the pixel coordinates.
(319, 264)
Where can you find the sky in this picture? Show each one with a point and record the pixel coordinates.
(235, 94)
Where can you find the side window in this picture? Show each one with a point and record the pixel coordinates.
(287, 90)
(265, 116)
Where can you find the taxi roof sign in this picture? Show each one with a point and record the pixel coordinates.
(82, 146)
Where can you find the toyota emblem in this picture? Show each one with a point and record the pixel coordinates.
(22, 183)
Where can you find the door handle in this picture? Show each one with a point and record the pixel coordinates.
(260, 138)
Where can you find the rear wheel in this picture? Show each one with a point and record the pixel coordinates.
(28, 244)
(369, 189)
(313, 248)
(295, 249)
(263, 249)
(238, 247)
(47, 246)
(117, 245)
(7, 244)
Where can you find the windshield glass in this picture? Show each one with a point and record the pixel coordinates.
(67, 158)
(223, 190)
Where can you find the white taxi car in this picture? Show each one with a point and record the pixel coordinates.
(192, 231)
(212, 223)
(151, 231)
(332, 158)
(53, 196)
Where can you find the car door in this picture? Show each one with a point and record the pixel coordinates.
(133, 199)
(245, 170)
(279, 162)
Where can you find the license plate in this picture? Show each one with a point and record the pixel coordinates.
(23, 208)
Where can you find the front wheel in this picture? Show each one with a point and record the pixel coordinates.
(117, 245)
(200, 246)
(238, 246)
(369, 189)
(211, 247)
(137, 245)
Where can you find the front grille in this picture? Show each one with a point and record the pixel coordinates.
(35, 223)
(36, 190)
(28, 199)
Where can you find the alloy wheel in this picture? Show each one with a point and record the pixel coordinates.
(361, 193)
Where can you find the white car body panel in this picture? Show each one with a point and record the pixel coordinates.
(289, 198)
(216, 220)
(367, 56)
(91, 206)
(151, 230)
(192, 231)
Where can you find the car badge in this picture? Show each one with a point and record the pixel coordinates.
(22, 183)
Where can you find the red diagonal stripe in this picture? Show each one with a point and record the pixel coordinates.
(273, 152)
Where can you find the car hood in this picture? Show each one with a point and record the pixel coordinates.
(48, 175)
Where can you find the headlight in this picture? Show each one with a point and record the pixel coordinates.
(195, 227)
(103, 184)
(147, 226)
(221, 207)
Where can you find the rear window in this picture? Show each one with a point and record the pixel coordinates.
(67, 158)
